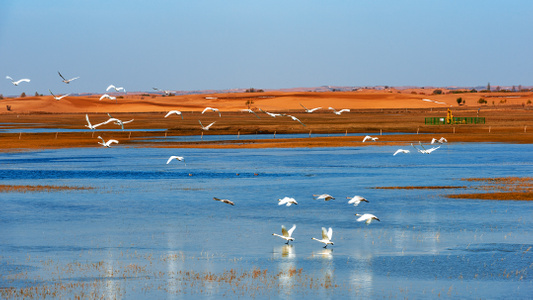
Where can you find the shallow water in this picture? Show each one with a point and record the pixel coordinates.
(152, 230)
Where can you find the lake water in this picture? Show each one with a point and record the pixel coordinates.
(146, 229)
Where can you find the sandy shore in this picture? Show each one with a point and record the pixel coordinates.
(508, 120)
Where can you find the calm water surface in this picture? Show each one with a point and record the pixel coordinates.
(151, 230)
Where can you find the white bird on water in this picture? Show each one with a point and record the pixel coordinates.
(224, 201)
(442, 140)
(325, 197)
(108, 143)
(370, 138)
(250, 111)
(401, 151)
(58, 97)
(178, 158)
(338, 113)
(177, 112)
(355, 200)
(67, 81)
(117, 89)
(212, 109)
(367, 218)
(326, 237)
(310, 110)
(288, 201)
(18, 81)
(423, 150)
(206, 127)
(286, 234)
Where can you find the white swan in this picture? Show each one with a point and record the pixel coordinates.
(224, 201)
(108, 143)
(355, 200)
(206, 127)
(442, 140)
(325, 197)
(250, 111)
(326, 237)
(295, 119)
(18, 81)
(367, 218)
(67, 81)
(90, 126)
(370, 138)
(117, 89)
(401, 151)
(423, 150)
(273, 115)
(287, 201)
(286, 234)
(56, 97)
(212, 109)
(106, 96)
(177, 112)
(338, 113)
(179, 158)
(310, 110)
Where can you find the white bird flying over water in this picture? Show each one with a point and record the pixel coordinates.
(367, 218)
(178, 158)
(177, 112)
(56, 97)
(295, 119)
(401, 151)
(442, 140)
(338, 113)
(206, 127)
(355, 200)
(250, 111)
(212, 109)
(423, 150)
(118, 121)
(117, 89)
(108, 143)
(325, 197)
(67, 81)
(370, 138)
(273, 115)
(224, 201)
(310, 110)
(286, 234)
(326, 237)
(288, 201)
(18, 81)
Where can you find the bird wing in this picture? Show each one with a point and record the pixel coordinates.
(324, 233)
(443, 140)
(397, 151)
(432, 149)
(87, 118)
(283, 201)
(51, 93)
(169, 113)
(8, 77)
(331, 108)
(22, 80)
(61, 75)
(104, 96)
(72, 79)
(112, 142)
(284, 231)
(366, 138)
(126, 122)
(330, 233)
(292, 230)
(110, 87)
(304, 107)
(314, 109)
(205, 109)
(201, 124)
(170, 159)
(63, 96)
(344, 110)
(210, 125)
(434, 140)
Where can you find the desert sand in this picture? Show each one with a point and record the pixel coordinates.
(508, 118)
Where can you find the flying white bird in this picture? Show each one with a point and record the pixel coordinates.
(250, 111)
(167, 92)
(177, 112)
(401, 151)
(287, 201)
(295, 119)
(212, 109)
(56, 97)
(338, 113)
(107, 97)
(326, 237)
(90, 126)
(442, 140)
(18, 81)
(286, 234)
(67, 81)
(118, 121)
(423, 150)
(370, 138)
(108, 143)
(224, 201)
(325, 197)
(310, 110)
(179, 158)
(206, 127)
(355, 200)
(367, 218)
(273, 115)
(117, 89)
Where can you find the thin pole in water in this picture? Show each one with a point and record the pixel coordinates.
(56, 135)
(238, 134)
(274, 134)
(20, 135)
(129, 137)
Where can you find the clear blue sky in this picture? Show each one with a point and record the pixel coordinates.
(212, 44)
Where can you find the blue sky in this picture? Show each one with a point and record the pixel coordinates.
(212, 44)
